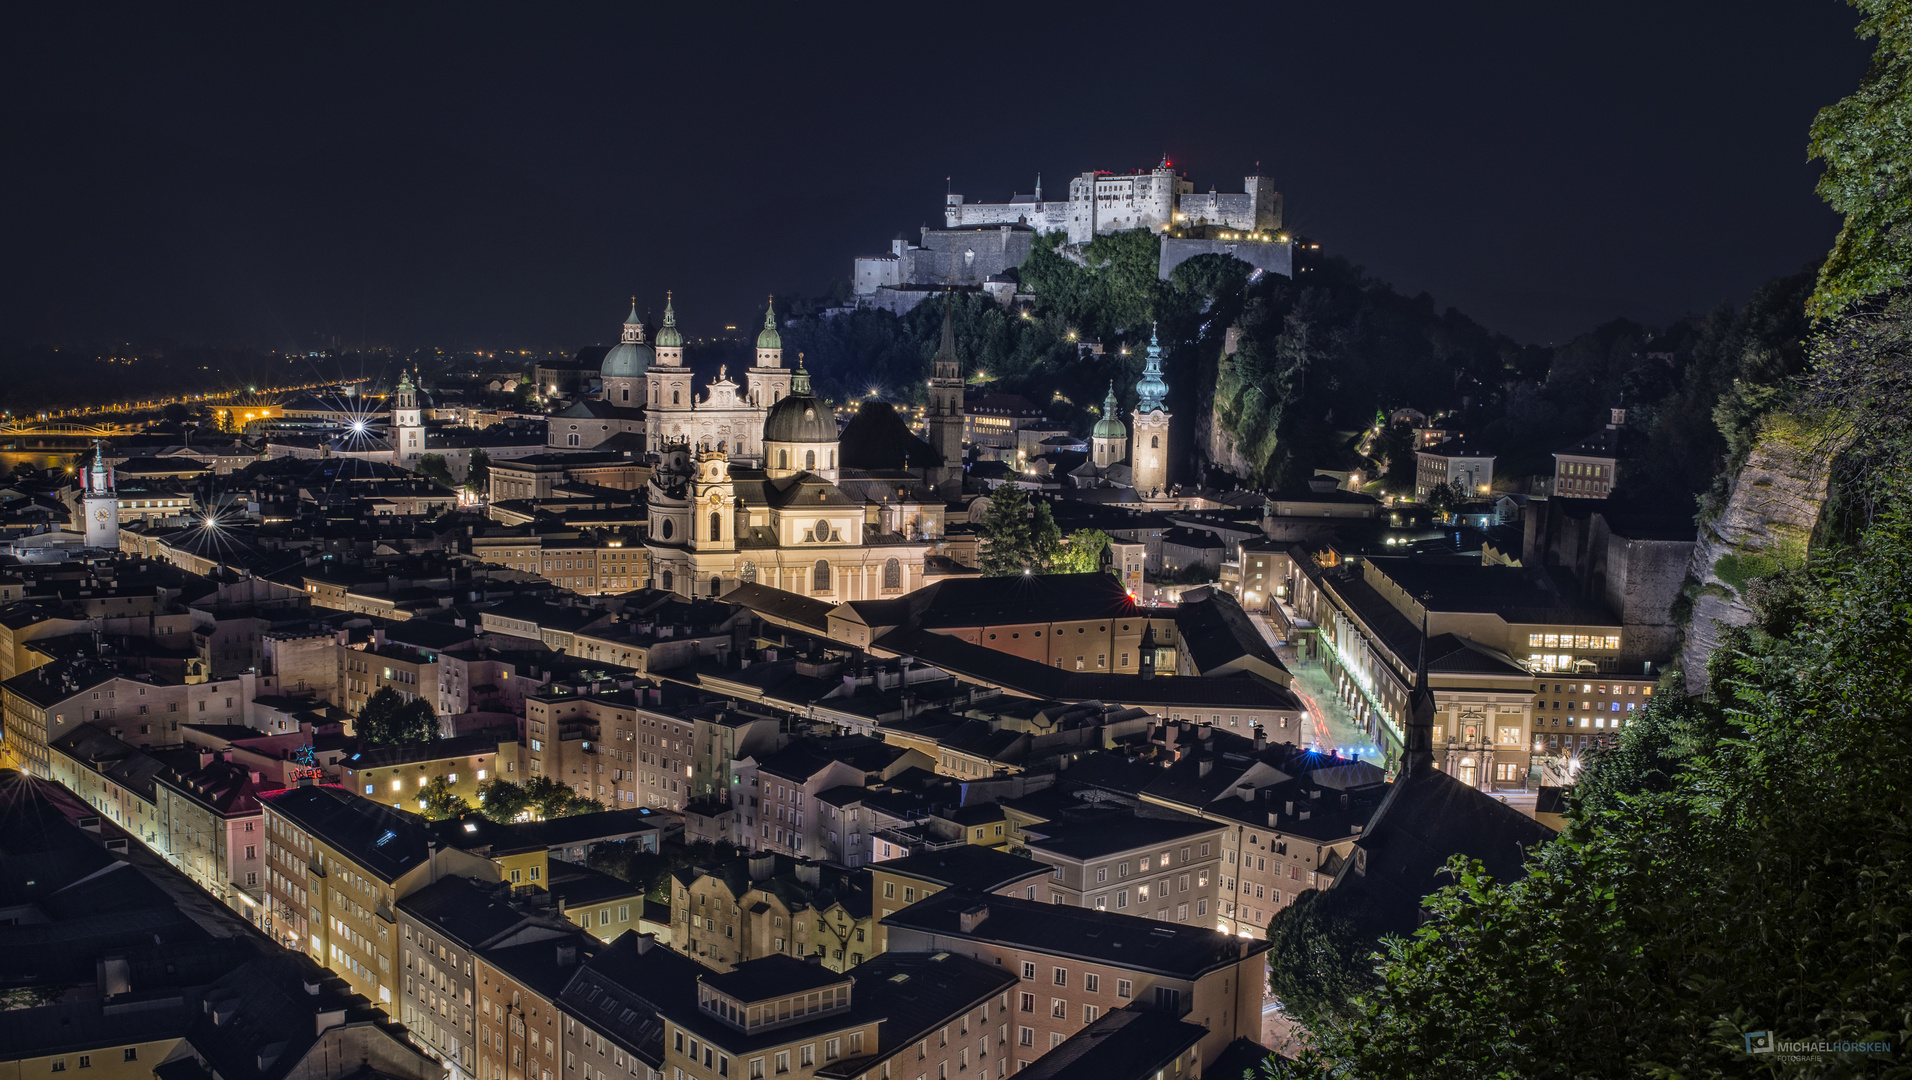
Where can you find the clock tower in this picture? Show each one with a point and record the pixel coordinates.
(713, 518)
(99, 501)
(1148, 444)
(408, 424)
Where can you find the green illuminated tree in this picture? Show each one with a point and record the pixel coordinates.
(1865, 141)
(440, 801)
(478, 472)
(434, 468)
(501, 800)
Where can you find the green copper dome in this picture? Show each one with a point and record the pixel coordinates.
(1109, 427)
(1150, 391)
(770, 339)
(668, 337)
(630, 358)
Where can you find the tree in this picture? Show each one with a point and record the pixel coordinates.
(1045, 539)
(1446, 498)
(1865, 140)
(416, 721)
(501, 800)
(1319, 955)
(546, 799)
(1654, 933)
(1086, 551)
(375, 723)
(433, 467)
(438, 801)
(1008, 546)
(176, 412)
(1397, 446)
(478, 472)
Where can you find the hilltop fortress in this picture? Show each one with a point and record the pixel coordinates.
(1105, 202)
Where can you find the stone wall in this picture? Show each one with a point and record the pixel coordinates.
(1274, 256)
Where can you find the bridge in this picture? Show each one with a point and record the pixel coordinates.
(88, 431)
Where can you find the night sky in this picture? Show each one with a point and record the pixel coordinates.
(307, 176)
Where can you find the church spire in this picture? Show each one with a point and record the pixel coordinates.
(770, 339)
(947, 365)
(1419, 758)
(668, 336)
(800, 382)
(1151, 389)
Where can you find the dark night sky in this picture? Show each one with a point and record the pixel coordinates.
(504, 177)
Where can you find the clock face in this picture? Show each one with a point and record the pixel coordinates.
(716, 498)
(100, 513)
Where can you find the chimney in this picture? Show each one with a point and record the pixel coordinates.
(567, 954)
(809, 873)
(1204, 767)
(762, 865)
(1261, 737)
(972, 917)
(1289, 808)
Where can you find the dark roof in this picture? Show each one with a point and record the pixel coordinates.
(1216, 632)
(971, 866)
(264, 1017)
(1095, 841)
(877, 438)
(772, 976)
(1427, 818)
(1127, 1044)
(1455, 448)
(619, 991)
(1082, 933)
(545, 966)
(1038, 598)
(579, 828)
(913, 994)
(462, 910)
(93, 1024)
(387, 842)
(411, 753)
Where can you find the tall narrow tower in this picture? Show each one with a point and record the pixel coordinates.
(769, 380)
(1148, 451)
(99, 501)
(945, 419)
(1109, 441)
(408, 424)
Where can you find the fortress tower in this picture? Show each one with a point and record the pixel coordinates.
(1149, 453)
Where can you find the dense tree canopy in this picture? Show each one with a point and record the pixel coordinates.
(389, 720)
(1865, 143)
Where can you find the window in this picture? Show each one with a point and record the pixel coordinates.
(1062, 977)
(1088, 1014)
(59, 1064)
(1028, 1003)
(716, 526)
(820, 577)
(1025, 1036)
(86, 1061)
(1168, 999)
(1092, 983)
(1124, 989)
(892, 574)
(1028, 969)
(131, 1053)
(810, 460)
(1058, 1008)
(1101, 874)
(783, 1061)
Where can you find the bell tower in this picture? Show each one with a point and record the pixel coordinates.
(408, 424)
(1148, 449)
(99, 501)
(945, 419)
(713, 519)
(769, 380)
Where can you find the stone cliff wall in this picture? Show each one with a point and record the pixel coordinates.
(1777, 500)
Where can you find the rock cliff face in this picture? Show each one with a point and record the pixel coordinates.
(1777, 500)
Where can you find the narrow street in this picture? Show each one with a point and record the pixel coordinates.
(1330, 725)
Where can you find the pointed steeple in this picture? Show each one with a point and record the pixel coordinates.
(1151, 389)
(1419, 756)
(1110, 425)
(668, 336)
(947, 365)
(770, 339)
(800, 382)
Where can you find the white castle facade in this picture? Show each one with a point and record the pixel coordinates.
(1103, 202)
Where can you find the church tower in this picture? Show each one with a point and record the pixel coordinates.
(769, 380)
(1109, 442)
(670, 340)
(945, 419)
(99, 501)
(713, 519)
(1149, 450)
(1418, 756)
(408, 424)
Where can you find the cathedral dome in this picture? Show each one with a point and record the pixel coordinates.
(630, 358)
(800, 417)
